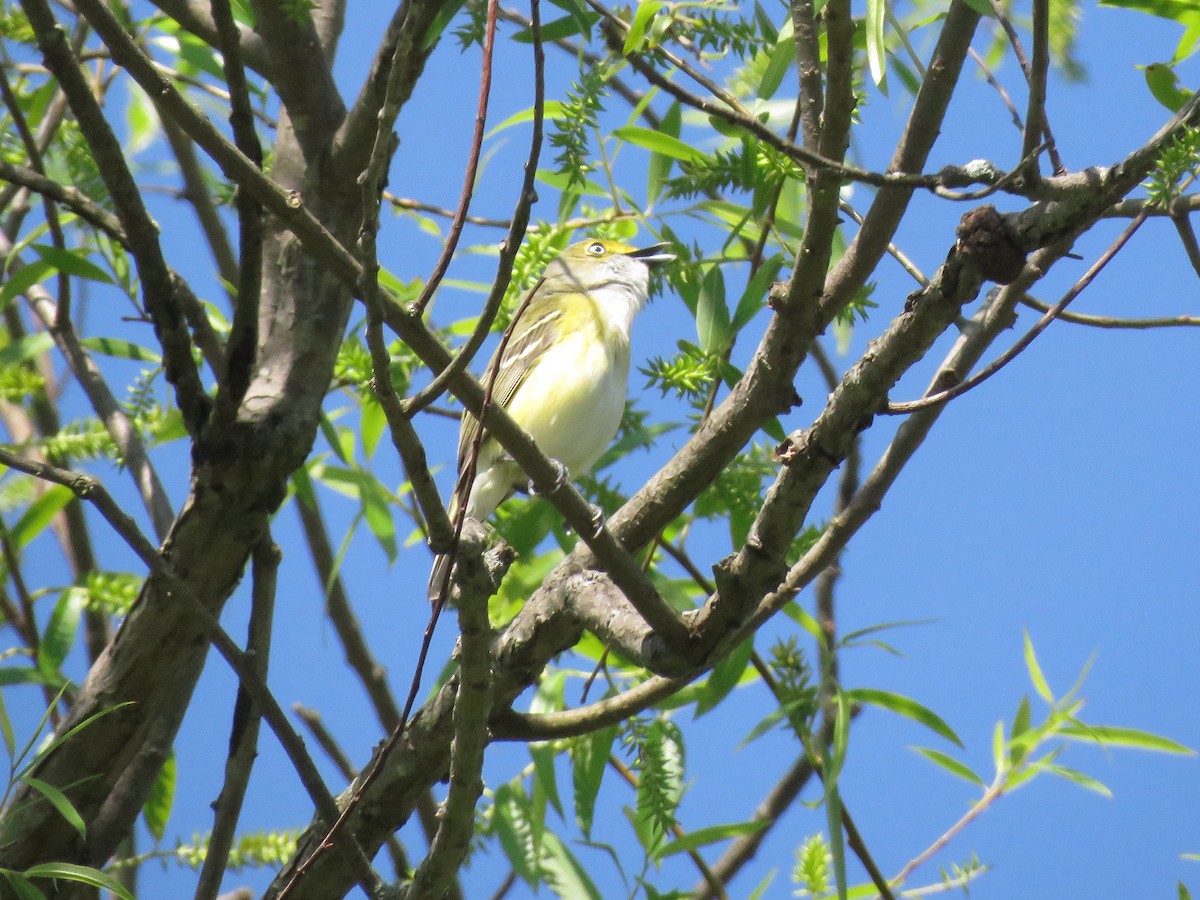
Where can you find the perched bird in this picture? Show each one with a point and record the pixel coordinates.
(563, 373)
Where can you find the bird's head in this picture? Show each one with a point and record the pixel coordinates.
(598, 263)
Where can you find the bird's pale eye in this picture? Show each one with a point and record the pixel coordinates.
(596, 249)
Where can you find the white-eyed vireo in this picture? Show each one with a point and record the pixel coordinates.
(563, 373)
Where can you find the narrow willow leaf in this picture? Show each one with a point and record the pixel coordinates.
(25, 348)
(783, 55)
(951, 765)
(515, 831)
(121, 349)
(905, 706)
(712, 834)
(564, 873)
(567, 26)
(761, 889)
(657, 142)
(660, 166)
(376, 509)
(551, 109)
(22, 886)
(1035, 672)
(6, 729)
(39, 513)
(754, 298)
(59, 801)
(546, 782)
(372, 421)
(1079, 778)
(712, 313)
(59, 635)
(81, 874)
(72, 262)
(837, 838)
(724, 677)
(589, 757)
(25, 278)
(636, 37)
(157, 810)
(876, 46)
(1115, 736)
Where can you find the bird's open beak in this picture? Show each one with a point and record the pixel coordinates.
(654, 255)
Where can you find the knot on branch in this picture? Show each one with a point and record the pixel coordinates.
(985, 239)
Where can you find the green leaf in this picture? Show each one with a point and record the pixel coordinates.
(1084, 781)
(659, 169)
(121, 349)
(72, 262)
(39, 513)
(589, 757)
(60, 802)
(702, 837)
(834, 761)
(837, 838)
(754, 298)
(567, 26)
(876, 46)
(551, 109)
(657, 142)
(60, 631)
(25, 278)
(81, 874)
(1185, 12)
(25, 348)
(905, 706)
(10, 675)
(22, 886)
(515, 831)
(783, 55)
(712, 313)
(446, 12)
(951, 765)
(371, 424)
(157, 810)
(804, 619)
(645, 14)
(6, 729)
(724, 677)
(1115, 736)
(1035, 671)
(376, 508)
(564, 873)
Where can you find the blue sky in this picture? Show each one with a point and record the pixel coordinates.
(1057, 498)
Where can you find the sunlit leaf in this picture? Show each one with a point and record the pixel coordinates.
(905, 706)
(81, 874)
(951, 765)
(1035, 672)
(657, 142)
(1115, 736)
(121, 349)
(589, 757)
(702, 837)
(157, 809)
(39, 513)
(59, 801)
(60, 631)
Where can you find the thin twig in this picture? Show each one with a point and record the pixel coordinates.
(472, 167)
(243, 737)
